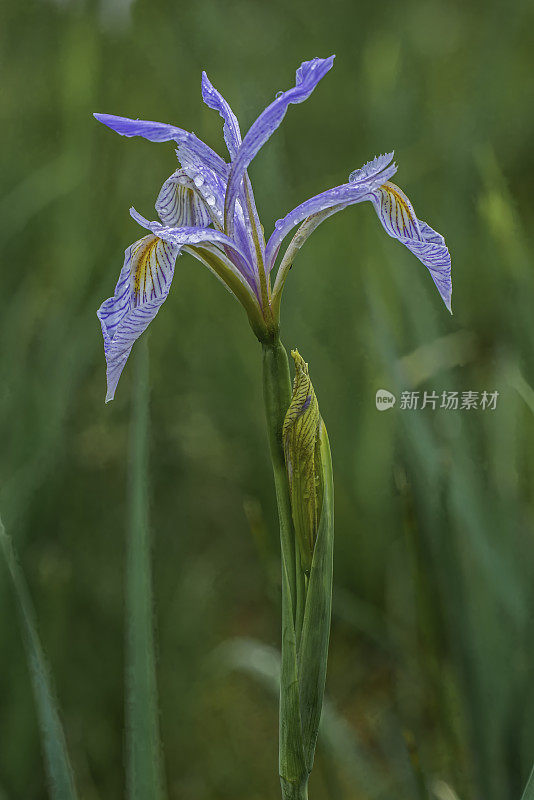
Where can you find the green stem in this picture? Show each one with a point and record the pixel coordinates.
(277, 396)
(293, 791)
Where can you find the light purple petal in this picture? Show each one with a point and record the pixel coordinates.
(142, 287)
(180, 204)
(243, 220)
(396, 212)
(394, 209)
(212, 189)
(215, 100)
(400, 221)
(163, 132)
(372, 168)
(210, 186)
(242, 232)
(308, 76)
(197, 236)
(437, 260)
(429, 234)
(340, 196)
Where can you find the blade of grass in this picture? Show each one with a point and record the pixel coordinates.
(144, 765)
(528, 794)
(58, 768)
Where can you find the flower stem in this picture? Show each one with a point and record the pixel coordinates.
(294, 791)
(277, 396)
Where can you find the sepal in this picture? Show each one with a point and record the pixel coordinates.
(142, 288)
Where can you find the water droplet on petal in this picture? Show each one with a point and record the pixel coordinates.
(279, 94)
(198, 180)
(278, 223)
(356, 175)
(210, 200)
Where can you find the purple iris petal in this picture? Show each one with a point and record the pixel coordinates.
(212, 189)
(197, 236)
(394, 209)
(142, 287)
(400, 221)
(179, 203)
(308, 76)
(437, 260)
(372, 168)
(348, 193)
(244, 219)
(163, 132)
(242, 233)
(215, 100)
(210, 186)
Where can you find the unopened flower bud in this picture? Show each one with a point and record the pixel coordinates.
(301, 437)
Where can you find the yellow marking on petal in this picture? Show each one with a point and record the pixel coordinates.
(142, 267)
(400, 203)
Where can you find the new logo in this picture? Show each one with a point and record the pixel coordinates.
(384, 400)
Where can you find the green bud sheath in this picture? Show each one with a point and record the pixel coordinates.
(301, 435)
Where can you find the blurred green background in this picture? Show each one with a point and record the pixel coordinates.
(430, 677)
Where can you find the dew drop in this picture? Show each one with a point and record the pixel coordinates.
(210, 200)
(198, 181)
(356, 175)
(279, 94)
(278, 223)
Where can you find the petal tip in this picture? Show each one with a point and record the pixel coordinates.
(312, 71)
(105, 118)
(139, 218)
(329, 62)
(380, 167)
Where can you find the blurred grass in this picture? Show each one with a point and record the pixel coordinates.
(59, 771)
(432, 646)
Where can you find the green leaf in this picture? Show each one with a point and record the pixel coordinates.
(145, 773)
(58, 768)
(291, 763)
(313, 652)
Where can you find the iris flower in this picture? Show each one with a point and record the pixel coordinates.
(207, 209)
